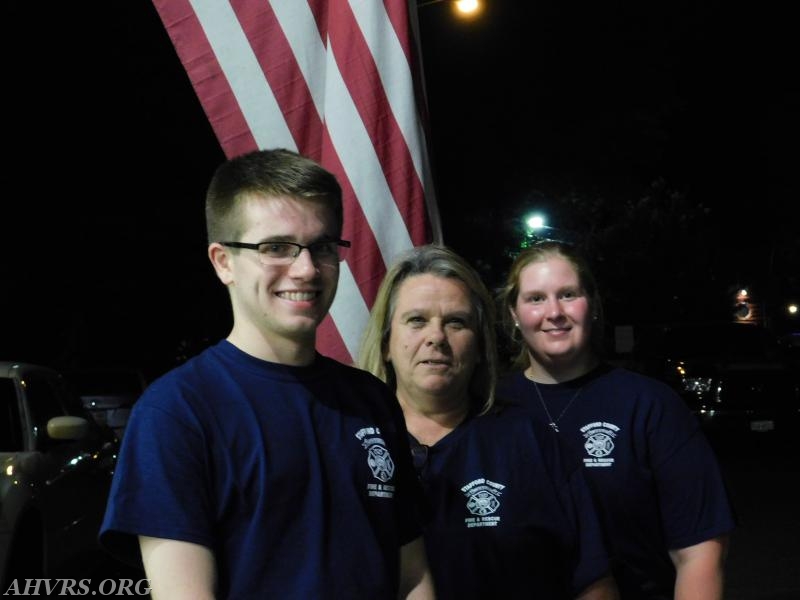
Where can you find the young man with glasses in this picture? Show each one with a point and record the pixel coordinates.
(260, 468)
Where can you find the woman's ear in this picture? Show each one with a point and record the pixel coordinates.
(387, 358)
(514, 317)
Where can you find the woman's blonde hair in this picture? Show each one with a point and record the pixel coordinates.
(439, 261)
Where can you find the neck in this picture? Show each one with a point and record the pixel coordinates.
(553, 372)
(430, 423)
(282, 351)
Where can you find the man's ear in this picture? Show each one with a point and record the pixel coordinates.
(220, 258)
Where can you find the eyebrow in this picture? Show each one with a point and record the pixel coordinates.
(571, 288)
(462, 314)
(277, 239)
(466, 315)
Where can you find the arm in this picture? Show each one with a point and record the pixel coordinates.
(602, 589)
(416, 582)
(178, 570)
(700, 570)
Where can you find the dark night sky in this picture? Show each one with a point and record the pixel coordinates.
(108, 151)
(605, 99)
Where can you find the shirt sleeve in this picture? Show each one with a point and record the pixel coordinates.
(693, 497)
(160, 484)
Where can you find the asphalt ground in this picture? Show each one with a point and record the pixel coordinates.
(762, 475)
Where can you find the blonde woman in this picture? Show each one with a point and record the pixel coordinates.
(658, 485)
(508, 518)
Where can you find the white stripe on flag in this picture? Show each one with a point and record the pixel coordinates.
(298, 25)
(357, 155)
(349, 311)
(240, 65)
(394, 71)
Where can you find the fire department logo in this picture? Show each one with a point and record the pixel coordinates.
(378, 458)
(599, 443)
(483, 499)
(380, 463)
(483, 502)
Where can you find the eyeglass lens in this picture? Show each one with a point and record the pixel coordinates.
(328, 252)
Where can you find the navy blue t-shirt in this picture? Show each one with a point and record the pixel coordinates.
(299, 479)
(508, 518)
(654, 475)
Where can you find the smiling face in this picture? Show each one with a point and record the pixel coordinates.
(433, 344)
(277, 308)
(554, 315)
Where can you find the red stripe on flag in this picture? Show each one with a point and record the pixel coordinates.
(398, 15)
(330, 343)
(277, 60)
(205, 73)
(320, 11)
(364, 257)
(361, 76)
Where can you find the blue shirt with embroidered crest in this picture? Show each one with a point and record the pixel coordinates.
(652, 471)
(299, 479)
(507, 518)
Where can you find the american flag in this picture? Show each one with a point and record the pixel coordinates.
(338, 81)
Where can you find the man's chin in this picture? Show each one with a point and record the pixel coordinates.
(306, 326)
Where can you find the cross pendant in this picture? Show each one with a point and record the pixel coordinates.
(554, 426)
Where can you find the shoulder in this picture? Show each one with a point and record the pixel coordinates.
(190, 373)
(352, 376)
(516, 426)
(631, 382)
(356, 390)
(652, 403)
(186, 389)
(511, 385)
(512, 430)
(511, 377)
(506, 413)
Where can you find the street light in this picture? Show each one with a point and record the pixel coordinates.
(537, 230)
(535, 222)
(466, 8)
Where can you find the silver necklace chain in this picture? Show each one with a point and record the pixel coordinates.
(554, 422)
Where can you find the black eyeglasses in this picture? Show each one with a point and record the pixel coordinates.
(419, 456)
(326, 252)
